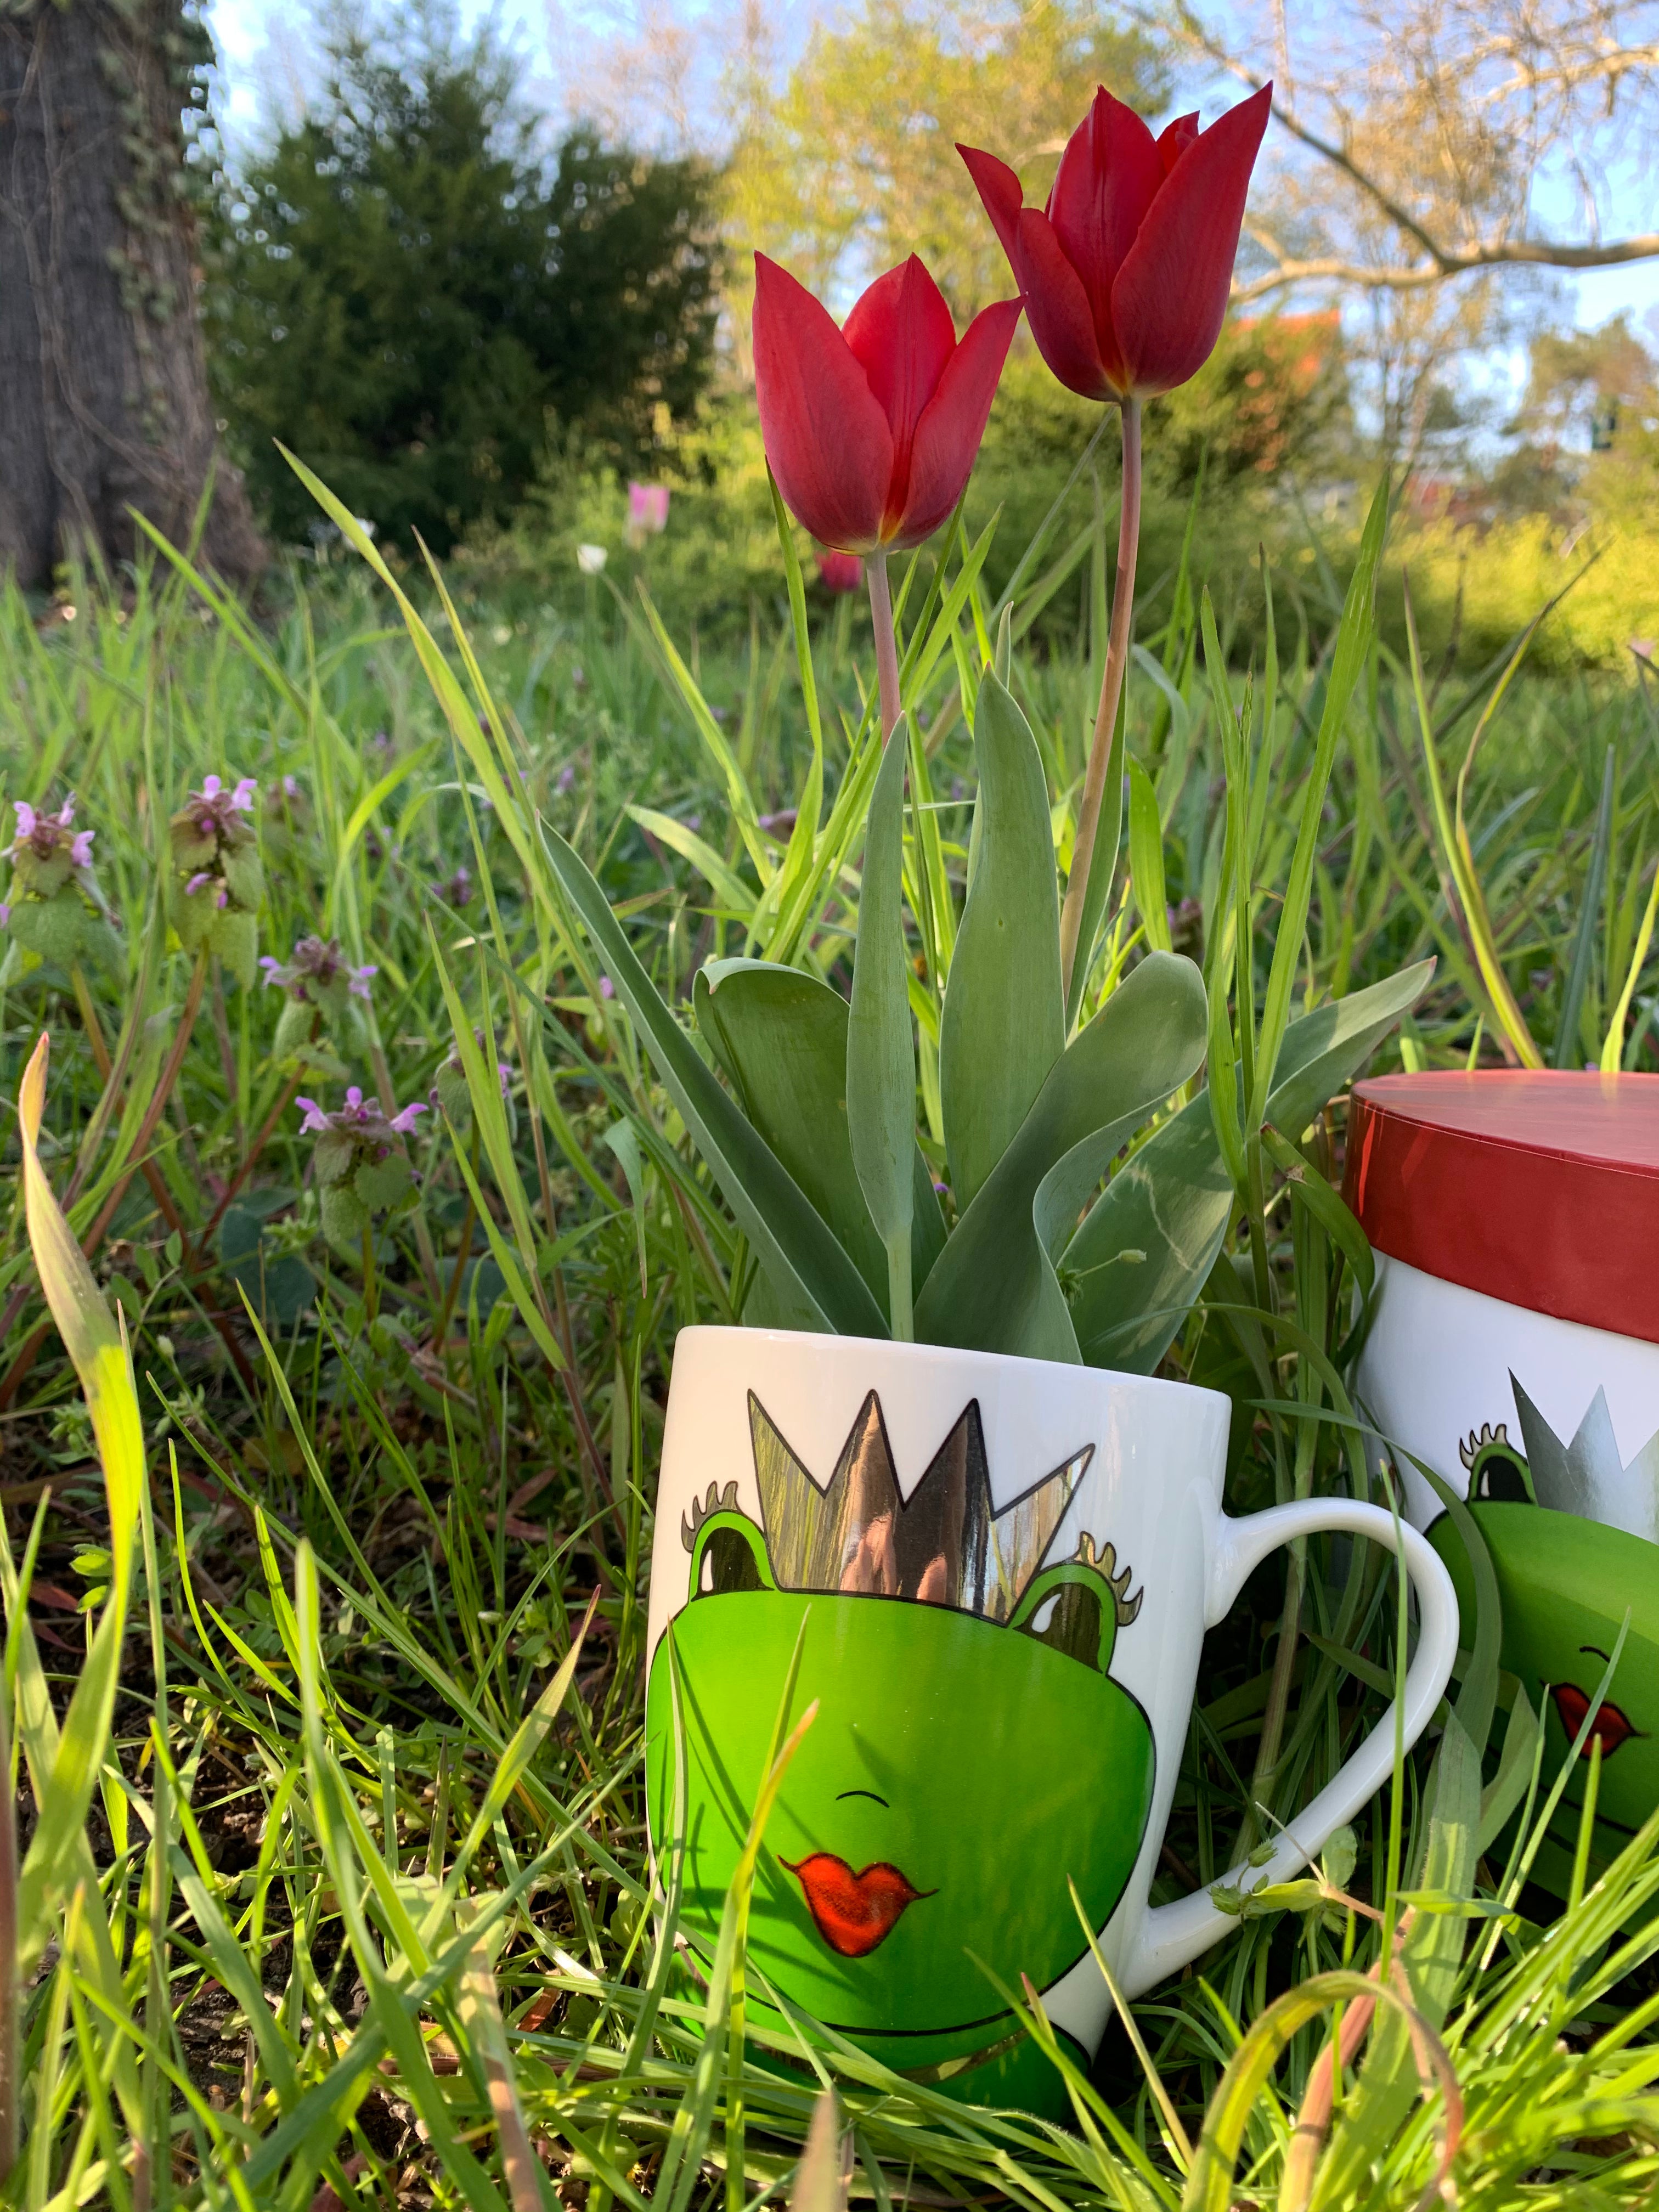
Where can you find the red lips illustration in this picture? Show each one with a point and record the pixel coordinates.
(1610, 1725)
(854, 1912)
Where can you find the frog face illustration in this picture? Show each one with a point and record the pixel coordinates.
(971, 1751)
(1570, 1530)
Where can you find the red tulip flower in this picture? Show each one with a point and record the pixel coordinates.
(872, 430)
(840, 571)
(1126, 275)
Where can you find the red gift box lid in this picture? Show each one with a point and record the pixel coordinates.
(1538, 1187)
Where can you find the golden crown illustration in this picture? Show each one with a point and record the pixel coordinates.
(944, 1545)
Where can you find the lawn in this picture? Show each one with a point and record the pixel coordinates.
(334, 1887)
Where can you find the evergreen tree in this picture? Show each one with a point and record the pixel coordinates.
(413, 298)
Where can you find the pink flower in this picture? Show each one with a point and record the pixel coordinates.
(25, 819)
(607, 988)
(80, 847)
(315, 1116)
(404, 1120)
(648, 511)
(202, 878)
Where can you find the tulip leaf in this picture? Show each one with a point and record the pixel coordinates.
(881, 1053)
(780, 1035)
(1003, 1027)
(1143, 1254)
(995, 1288)
(825, 1289)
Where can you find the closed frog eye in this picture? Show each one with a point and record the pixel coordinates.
(728, 1550)
(1078, 1608)
(1068, 1619)
(727, 1562)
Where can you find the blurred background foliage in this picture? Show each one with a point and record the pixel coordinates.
(480, 324)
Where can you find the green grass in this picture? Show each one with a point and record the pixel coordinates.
(358, 1913)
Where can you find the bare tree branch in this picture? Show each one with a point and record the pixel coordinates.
(1442, 129)
(1535, 252)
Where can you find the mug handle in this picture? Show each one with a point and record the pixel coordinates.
(1170, 1935)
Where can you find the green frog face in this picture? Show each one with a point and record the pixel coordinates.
(971, 1751)
(1565, 1581)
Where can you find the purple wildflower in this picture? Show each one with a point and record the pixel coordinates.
(5, 914)
(607, 988)
(214, 809)
(566, 777)
(41, 835)
(202, 877)
(360, 1118)
(316, 962)
(458, 891)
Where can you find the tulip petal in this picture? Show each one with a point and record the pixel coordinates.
(1058, 309)
(953, 421)
(825, 432)
(1171, 292)
(902, 336)
(1175, 137)
(1108, 178)
(1000, 190)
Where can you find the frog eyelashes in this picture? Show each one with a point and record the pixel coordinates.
(1478, 1440)
(717, 1501)
(944, 1545)
(1497, 1468)
(1103, 1561)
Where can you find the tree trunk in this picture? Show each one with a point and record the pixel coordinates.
(103, 402)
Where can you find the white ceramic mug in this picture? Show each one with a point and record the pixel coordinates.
(997, 1574)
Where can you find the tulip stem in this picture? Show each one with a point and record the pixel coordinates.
(1111, 689)
(881, 615)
